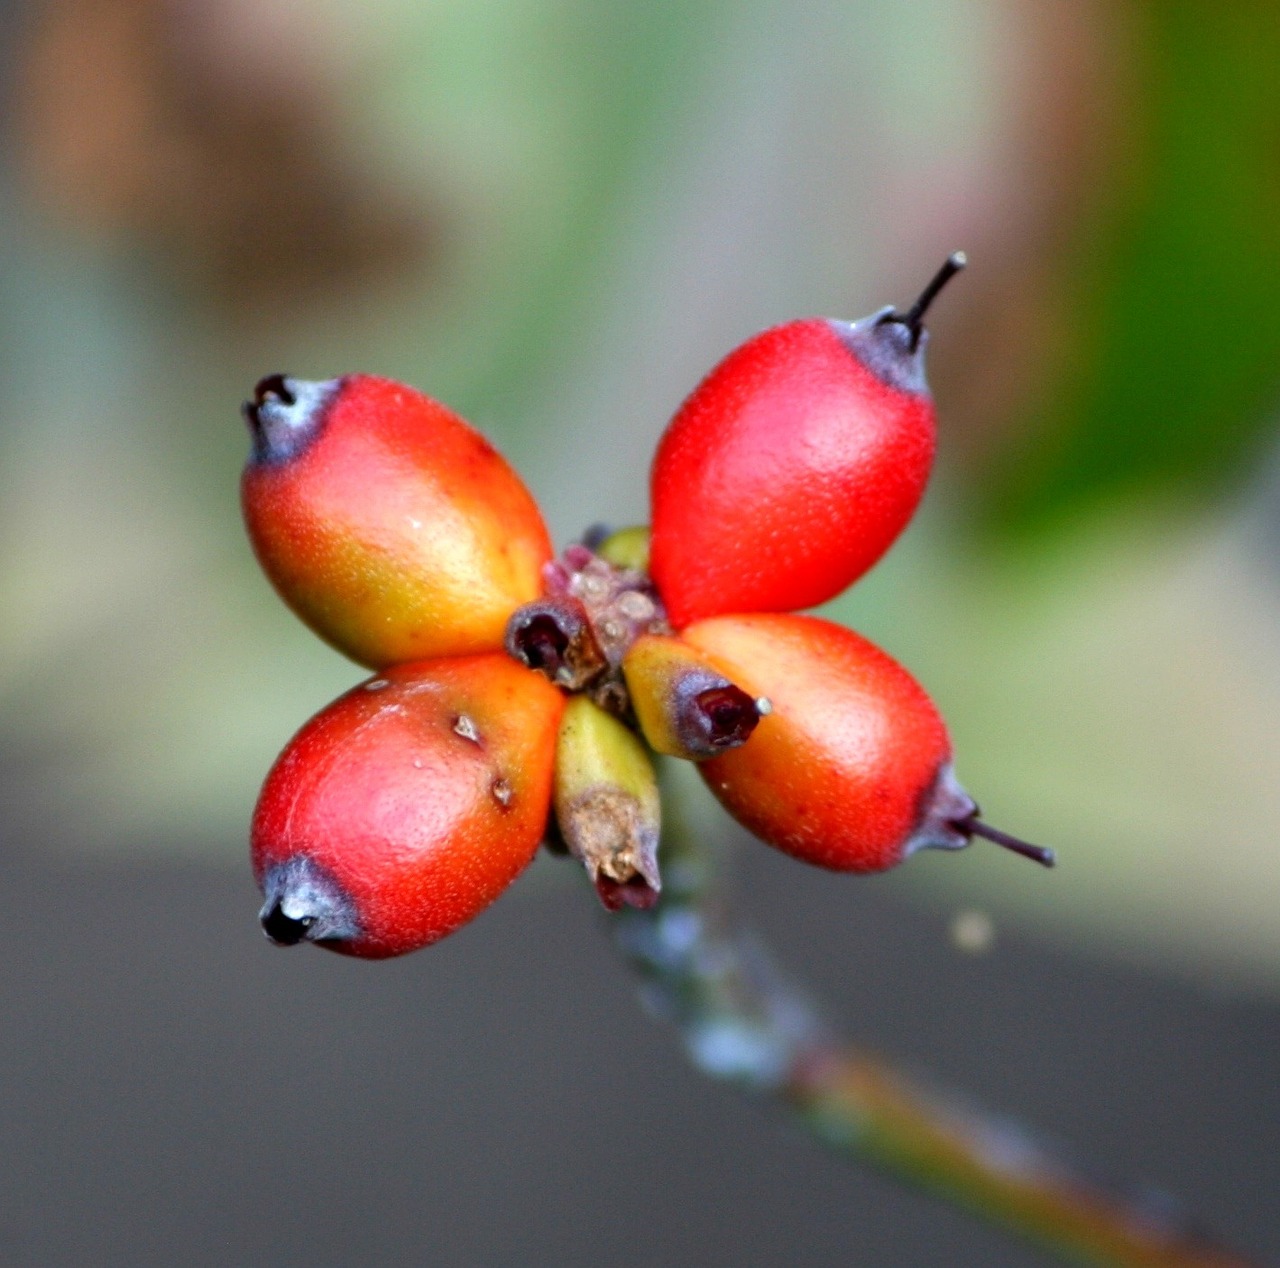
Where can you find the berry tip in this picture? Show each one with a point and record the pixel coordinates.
(915, 314)
(1036, 853)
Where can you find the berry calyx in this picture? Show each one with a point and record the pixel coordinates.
(794, 464)
(591, 613)
(390, 526)
(407, 806)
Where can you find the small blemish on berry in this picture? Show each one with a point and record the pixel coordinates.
(376, 684)
(502, 792)
(465, 727)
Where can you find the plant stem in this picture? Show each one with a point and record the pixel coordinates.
(740, 1020)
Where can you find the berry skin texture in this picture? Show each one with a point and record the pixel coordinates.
(851, 769)
(791, 468)
(407, 806)
(390, 526)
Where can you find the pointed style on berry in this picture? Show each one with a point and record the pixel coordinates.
(407, 806)
(851, 770)
(684, 705)
(794, 464)
(391, 527)
(607, 807)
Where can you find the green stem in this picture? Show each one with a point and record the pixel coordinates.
(740, 1020)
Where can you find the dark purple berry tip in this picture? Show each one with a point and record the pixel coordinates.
(728, 715)
(304, 903)
(635, 892)
(914, 315)
(890, 343)
(285, 415)
(554, 637)
(541, 644)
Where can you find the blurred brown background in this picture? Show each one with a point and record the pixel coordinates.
(556, 217)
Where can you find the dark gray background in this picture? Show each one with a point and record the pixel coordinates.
(172, 1089)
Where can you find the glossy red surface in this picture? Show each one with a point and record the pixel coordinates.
(839, 772)
(785, 476)
(423, 792)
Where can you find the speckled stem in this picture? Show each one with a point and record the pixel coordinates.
(740, 1020)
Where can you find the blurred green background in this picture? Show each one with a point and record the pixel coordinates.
(556, 216)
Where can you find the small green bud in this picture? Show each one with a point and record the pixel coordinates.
(627, 548)
(606, 803)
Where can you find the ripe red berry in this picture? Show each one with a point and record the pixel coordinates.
(851, 768)
(390, 526)
(404, 808)
(407, 806)
(794, 464)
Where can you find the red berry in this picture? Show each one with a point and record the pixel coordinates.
(407, 806)
(794, 464)
(390, 526)
(851, 768)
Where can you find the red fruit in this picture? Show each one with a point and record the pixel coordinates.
(851, 769)
(407, 806)
(391, 527)
(794, 464)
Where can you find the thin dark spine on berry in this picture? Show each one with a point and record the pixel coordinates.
(914, 315)
(974, 827)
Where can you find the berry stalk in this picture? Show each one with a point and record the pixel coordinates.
(741, 1020)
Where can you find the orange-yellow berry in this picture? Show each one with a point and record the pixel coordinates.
(851, 768)
(391, 527)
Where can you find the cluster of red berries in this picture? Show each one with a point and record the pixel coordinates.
(518, 694)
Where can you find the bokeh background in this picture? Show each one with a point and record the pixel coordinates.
(556, 216)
